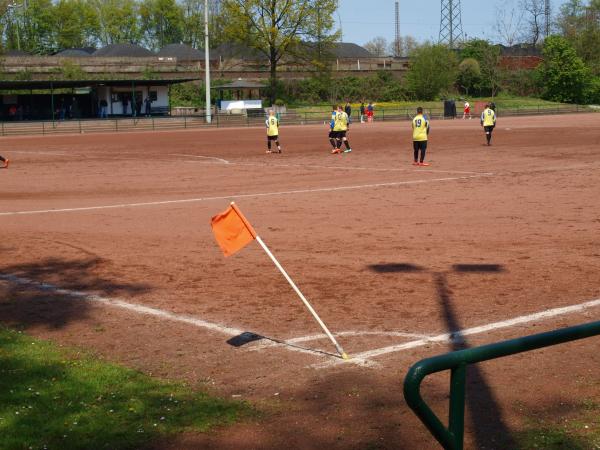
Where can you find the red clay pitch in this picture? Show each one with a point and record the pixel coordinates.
(386, 252)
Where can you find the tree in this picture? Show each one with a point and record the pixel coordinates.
(563, 75)
(117, 21)
(433, 69)
(508, 24)
(162, 23)
(580, 25)
(79, 24)
(275, 27)
(488, 57)
(378, 46)
(535, 19)
(193, 23)
(404, 46)
(469, 75)
(35, 25)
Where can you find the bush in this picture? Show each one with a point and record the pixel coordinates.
(563, 76)
(433, 69)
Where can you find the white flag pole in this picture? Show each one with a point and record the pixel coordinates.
(310, 308)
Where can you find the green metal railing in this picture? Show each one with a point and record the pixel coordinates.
(452, 436)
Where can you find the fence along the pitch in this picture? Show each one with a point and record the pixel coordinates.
(123, 124)
(451, 437)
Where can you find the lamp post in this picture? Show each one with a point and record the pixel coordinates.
(207, 64)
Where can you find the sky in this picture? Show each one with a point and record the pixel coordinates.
(362, 20)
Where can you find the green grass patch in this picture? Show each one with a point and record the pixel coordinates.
(579, 430)
(54, 398)
(502, 102)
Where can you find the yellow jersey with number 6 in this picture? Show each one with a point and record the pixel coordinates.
(420, 125)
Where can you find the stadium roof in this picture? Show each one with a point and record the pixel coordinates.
(123, 50)
(16, 53)
(240, 84)
(520, 50)
(350, 50)
(237, 51)
(58, 84)
(77, 52)
(182, 52)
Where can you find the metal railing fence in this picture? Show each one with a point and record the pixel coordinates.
(198, 121)
(452, 437)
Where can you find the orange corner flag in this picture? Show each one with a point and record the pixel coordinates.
(232, 230)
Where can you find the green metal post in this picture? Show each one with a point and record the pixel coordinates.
(52, 101)
(456, 421)
(452, 437)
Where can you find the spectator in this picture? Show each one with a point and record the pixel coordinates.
(103, 107)
(148, 106)
(362, 112)
(125, 102)
(348, 110)
(370, 112)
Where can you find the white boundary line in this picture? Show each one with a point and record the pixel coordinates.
(234, 196)
(149, 311)
(358, 333)
(458, 335)
(122, 304)
(290, 345)
(363, 358)
(224, 161)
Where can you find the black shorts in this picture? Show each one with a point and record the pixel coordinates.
(339, 134)
(332, 134)
(489, 129)
(420, 145)
(273, 138)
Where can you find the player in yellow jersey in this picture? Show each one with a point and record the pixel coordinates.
(420, 127)
(272, 124)
(341, 125)
(332, 134)
(488, 122)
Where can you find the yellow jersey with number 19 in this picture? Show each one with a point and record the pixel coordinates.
(420, 125)
(272, 126)
(488, 117)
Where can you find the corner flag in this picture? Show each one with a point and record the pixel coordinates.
(232, 231)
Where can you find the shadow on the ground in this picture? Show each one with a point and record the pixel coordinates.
(29, 297)
(395, 267)
(342, 410)
(489, 427)
(478, 268)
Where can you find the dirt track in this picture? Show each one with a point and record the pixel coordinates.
(380, 247)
